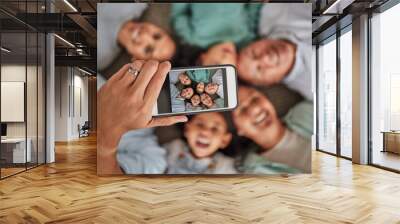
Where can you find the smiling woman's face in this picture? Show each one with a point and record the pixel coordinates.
(145, 41)
(256, 118)
(266, 61)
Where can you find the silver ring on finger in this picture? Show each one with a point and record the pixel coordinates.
(134, 72)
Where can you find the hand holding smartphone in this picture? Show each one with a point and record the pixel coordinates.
(193, 90)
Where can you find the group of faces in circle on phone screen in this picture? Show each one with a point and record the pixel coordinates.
(200, 89)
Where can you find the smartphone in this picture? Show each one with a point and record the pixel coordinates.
(193, 90)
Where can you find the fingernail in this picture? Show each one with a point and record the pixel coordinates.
(166, 62)
(183, 119)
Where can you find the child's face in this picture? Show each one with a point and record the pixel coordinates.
(195, 100)
(200, 87)
(206, 100)
(146, 41)
(256, 118)
(266, 61)
(223, 53)
(211, 88)
(184, 79)
(187, 93)
(206, 133)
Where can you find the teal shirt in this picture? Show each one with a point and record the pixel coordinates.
(206, 24)
(202, 75)
(300, 119)
(253, 163)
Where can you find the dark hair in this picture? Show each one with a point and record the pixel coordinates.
(186, 55)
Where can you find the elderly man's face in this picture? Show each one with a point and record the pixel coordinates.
(211, 88)
(145, 41)
(256, 118)
(266, 62)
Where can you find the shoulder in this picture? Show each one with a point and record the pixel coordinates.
(175, 147)
(224, 164)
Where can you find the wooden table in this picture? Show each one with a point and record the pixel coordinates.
(14, 150)
(391, 141)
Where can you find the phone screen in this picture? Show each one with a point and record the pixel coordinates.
(191, 90)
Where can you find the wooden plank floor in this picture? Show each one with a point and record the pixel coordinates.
(70, 192)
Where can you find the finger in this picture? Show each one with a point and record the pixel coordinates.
(130, 78)
(142, 81)
(118, 75)
(166, 121)
(156, 83)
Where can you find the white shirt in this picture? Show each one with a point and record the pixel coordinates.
(292, 22)
(292, 150)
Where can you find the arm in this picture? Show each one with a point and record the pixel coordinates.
(218, 78)
(177, 102)
(139, 153)
(300, 119)
(124, 104)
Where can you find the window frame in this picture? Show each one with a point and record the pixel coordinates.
(334, 37)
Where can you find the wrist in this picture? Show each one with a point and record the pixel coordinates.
(109, 135)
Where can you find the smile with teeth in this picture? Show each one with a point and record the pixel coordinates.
(202, 142)
(261, 117)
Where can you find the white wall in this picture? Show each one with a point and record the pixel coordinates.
(50, 94)
(61, 103)
(314, 90)
(15, 72)
(33, 126)
(71, 93)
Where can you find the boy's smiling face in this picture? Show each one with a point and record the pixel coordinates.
(206, 133)
(195, 100)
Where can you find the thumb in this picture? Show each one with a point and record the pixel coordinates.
(166, 121)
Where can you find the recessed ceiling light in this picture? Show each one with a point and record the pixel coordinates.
(84, 71)
(64, 40)
(337, 7)
(5, 49)
(70, 5)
